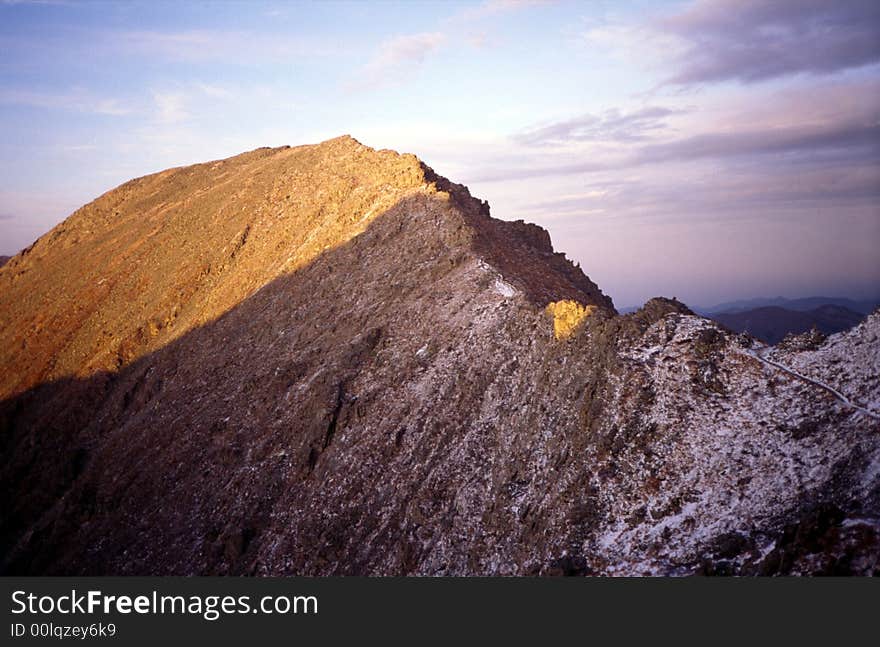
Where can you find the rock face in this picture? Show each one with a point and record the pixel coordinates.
(329, 360)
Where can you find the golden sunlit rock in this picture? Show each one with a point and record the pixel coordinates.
(567, 314)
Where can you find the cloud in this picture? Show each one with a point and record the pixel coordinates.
(611, 125)
(402, 50)
(851, 140)
(478, 40)
(77, 148)
(861, 138)
(491, 8)
(399, 57)
(170, 107)
(214, 91)
(77, 100)
(180, 101)
(185, 45)
(834, 123)
(213, 46)
(629, 41)
(756, 40)
(754, 190)
(747, 41)
(36, 2)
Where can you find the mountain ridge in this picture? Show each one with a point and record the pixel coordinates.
(201, 237)
(420, 391)
(799, 304)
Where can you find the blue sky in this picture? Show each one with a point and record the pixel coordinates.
(709, 150)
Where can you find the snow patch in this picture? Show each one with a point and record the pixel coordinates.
(504, 288)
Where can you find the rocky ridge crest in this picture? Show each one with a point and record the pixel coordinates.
(329, 360)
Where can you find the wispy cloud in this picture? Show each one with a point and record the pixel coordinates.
(403, 50)
(491, 8)
(215, 91)
(837, 122)
(213, 46)
(170, 107)
(630, 41)
(76, 100)
(612, 125)
(398, 58)
(77, 148)
(754, 189)
(858, 139)
(852, 140)
(36, 2)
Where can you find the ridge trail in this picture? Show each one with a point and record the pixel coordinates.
(837, 394)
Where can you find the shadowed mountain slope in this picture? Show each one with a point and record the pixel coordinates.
(419, 390)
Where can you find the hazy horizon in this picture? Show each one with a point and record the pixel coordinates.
(712, 150)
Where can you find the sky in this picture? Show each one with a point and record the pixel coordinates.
(710, 150)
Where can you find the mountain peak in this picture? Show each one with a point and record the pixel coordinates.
(165, 253)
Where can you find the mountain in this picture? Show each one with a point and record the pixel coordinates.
(803, 304)
(330, 360)
(3, 260)
(771, 324)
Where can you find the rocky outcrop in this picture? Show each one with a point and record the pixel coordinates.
(330, 360)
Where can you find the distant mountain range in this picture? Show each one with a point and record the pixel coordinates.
(3, 260)
(772, 323)
(802, 305)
